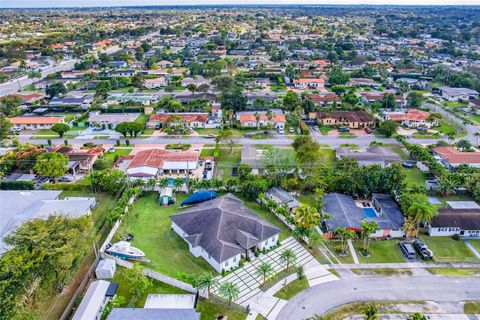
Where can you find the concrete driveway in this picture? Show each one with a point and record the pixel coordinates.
(319, 299)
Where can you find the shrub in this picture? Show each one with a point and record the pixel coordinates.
(17, 185)
(117, 143)
(49, 142)
(127, 142)
(300, 273)
(175, 146)
(100, 164)
(304, 128)
(456, 237)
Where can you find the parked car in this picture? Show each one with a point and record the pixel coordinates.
(343, 129)
(65, 179)
(157, 127)
(408, 163)
(111, 150)
(407, 249)
(423, 250)
(281, 131)
(315, 128)
(299, 130)
(368, 130)
(291, 130)
(208, 165)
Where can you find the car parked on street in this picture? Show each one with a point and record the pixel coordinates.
(291, 130)
(343, 129)
(407, 249)
(423, 250)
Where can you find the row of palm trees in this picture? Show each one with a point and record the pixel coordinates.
(229, 291)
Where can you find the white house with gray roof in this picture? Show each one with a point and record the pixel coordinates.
(223, 230)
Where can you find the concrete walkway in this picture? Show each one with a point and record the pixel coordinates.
(472, 248)
(406, 265)
(353, 252)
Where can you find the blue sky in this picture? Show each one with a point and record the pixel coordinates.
(88, 3)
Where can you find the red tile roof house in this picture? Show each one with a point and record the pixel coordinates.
(29, 98)
(309, 83)
(413, 118)
(193, 120)
(378, 96)
(159, 162)
(80, 159)
(249, 120)
(451, 157)
(325, 98)
(35, 123)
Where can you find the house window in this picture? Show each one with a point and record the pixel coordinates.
(226, 263)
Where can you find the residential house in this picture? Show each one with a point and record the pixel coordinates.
(347, 213)
(197, 81)
(119, 73)
(155, 83)
(192, 120)
(363, 82)
(371, 155)
(370, 97)
(223, 230)
(138, 98)
(283, 198)
(458, 94)
(451, 157)
(18, 206)
(117, 64)
(110, 120)
(351, 119)
(262, 82)
(328, 98)
(79, 159)
(35, 123)
(159, 162)
(98, 294)
(412, 118)
(307, 83)
(449, 222)
(76, 74)
(248, 119)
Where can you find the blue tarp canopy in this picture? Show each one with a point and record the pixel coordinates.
(199, 197)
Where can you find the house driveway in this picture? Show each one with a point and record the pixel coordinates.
(248, 282)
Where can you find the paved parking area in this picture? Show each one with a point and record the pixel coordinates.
(248, 282)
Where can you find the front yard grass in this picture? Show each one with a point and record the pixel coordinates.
(110, 157)
(325, 129)
(332, 246)
(210, 310)
(328, 156)
(383, 272)
(455, 272)
(475, 243)
(471, 307)
(446, 249)
(227, 160)
(475, 118)
(381, 251)
(151, 227)
(414, 176)
(292, 289)
(401, 152)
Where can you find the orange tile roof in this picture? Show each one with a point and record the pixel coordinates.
(157, 157)
(250, 117)
(36, 120)
(412, 114)
(455, 156)
(190, 117)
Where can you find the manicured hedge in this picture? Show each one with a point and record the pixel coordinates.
(17, 185)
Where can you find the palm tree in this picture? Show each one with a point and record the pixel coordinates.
(409, 226)
(315, 240)
(151, 183)
(192, 88)
(421, 211)
(228, 291)
(416, 316)
(300, 233)
(306, 217)
(163, 183)
(451, 136)
(257, 119)
(371, 312)
(446, 185)
(282, 211)
(264, 270)
(178, 183)
(344, 235)
(288, 256)
(206, 281)
(368, 227)
(270, 116)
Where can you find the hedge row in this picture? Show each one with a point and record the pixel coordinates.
(17, 185)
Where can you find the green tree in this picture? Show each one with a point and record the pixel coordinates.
(344, 235)
(244, 171)
(306, 217)
(414, 99)
(264, 270)
(233, 99)
(9, 105)
(229, 138)
(137, 80)
(229, 291)
(337, 76)
(192, 88)
(416, 316)
(56, 89)
(5, 128)
(368, 228)
(138, 281)
(278, 162)
(51, 164)
(223, 83)
(389, 102)
(306, 150)
(287, 256)
(464, 145)
(206, 281)
(421, 210)
(291, 101)
(388, 127)
(60, 128)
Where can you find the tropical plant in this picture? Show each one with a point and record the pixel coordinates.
(409, 227)
(206, 281)
(306, 217)
(138, 281)
(416, 316)
(344, 235)
(371, 312)
(315, 240)
(229, 291)
(60, 128)
(368, 228)
(264, 270)
(287, 256)
(421, 211)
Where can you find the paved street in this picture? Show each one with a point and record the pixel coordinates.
(322, 298)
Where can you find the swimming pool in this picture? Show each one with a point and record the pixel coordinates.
(370, 212)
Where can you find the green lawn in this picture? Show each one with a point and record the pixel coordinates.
(207, 152)
(328, 156)
(227, 161)
(110, 157)
(380, 252)
(446, 249)
(205, 307)
(307, 199)
(404, 155)
(347, 135)
(150, 225)
(445, 128)
(476, 118)
(325, 129)
(475, 243)
(292, 289)
(332, 246)
(142, 119)
(255, 207)
(414, 176)
(471, 307)
(456, 272)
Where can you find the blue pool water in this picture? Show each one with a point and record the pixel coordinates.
(370, 212)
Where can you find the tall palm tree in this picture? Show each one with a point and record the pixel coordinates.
(306, 217)
(178, 183)
(451, 136)
(163, 183)
(257, 119)
(264, 270)
(315, 240)
(206, 281)
(368, 227)
(409, 226)
(288, 257)
(270, 116)
(151, 183)
(421, 211)
(228, 291)
(371, 312)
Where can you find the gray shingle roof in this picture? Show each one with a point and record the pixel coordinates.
(223, 227)
(284, 197)
(153, 314)
(251, 157)
(371, 155)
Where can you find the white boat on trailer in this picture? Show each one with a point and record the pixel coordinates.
(124, 250)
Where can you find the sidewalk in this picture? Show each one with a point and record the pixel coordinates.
(353, 252)
(472, 248)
